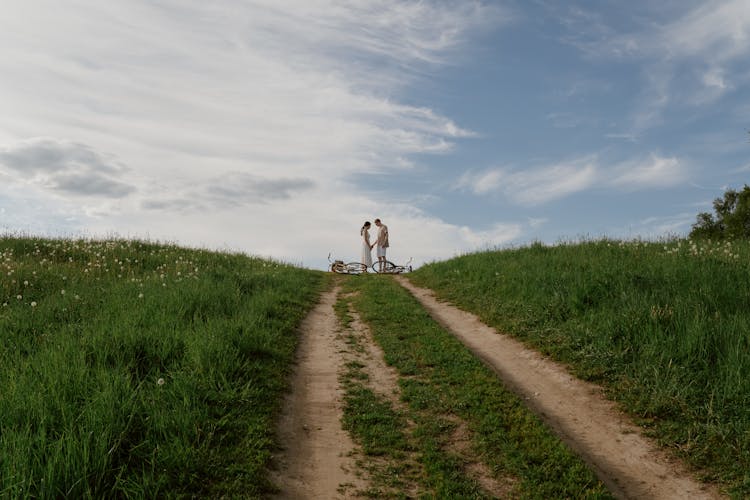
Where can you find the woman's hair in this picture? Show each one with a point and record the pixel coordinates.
(364, 226)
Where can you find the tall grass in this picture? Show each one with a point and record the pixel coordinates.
(664, 326)
(133, 369)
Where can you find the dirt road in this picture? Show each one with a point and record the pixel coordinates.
(316, 459)
(628, 463)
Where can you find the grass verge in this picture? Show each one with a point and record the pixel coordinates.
(439, 380)
(131, 369)
(665, 327)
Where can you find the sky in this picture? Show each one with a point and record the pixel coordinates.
(277, 127)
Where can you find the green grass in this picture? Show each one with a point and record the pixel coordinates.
(131, 369)
(664, 326)
(390, 444)
(440, 379)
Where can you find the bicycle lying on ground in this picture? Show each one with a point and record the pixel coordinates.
(388, 267)
(338, 266)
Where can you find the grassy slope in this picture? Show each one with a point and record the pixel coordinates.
(440, 378)
(665, 327)
(135, 369)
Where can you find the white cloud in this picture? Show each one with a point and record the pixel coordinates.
(497, 235)
(714, 78)
(307, 85)
(534, 186)
(744, 168)
(216, 107)
(66, 168)
(695, 57)
(540, 185)
(719, 30)
(305, 228)
(659, 226)
(715, 31)
(655, 172)
(535, 222)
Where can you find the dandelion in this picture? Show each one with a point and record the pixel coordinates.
(19, 297)
(33, 303)
(160, 381)
(25, 283)
(77, 297)
(140, 295)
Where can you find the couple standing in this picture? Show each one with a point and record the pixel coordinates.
(381, 242)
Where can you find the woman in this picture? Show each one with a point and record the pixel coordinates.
(366, 246)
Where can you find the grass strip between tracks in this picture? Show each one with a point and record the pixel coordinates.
(441, 379)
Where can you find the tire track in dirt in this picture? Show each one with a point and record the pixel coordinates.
(316, 458)
(628, 463)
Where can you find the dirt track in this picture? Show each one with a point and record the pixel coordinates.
(316, 459)
(628, 463)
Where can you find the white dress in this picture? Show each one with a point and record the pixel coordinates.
(366, 250)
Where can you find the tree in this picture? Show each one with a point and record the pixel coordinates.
(731, 219)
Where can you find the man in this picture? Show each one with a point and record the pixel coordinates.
(382, 242)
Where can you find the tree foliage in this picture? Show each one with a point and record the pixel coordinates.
(731, 218)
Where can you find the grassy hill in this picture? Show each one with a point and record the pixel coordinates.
(664, 326)
(136, 369)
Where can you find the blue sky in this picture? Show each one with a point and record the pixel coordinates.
(277, 127)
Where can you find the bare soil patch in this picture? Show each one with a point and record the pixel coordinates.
(460, 442)
(383, 378)
(631, 465)
(316, 460)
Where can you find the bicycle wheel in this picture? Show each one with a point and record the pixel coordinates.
(386, 267)
(338, 267)
(356, 268)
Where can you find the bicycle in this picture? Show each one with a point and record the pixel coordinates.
(388, 267)
(338, 266)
